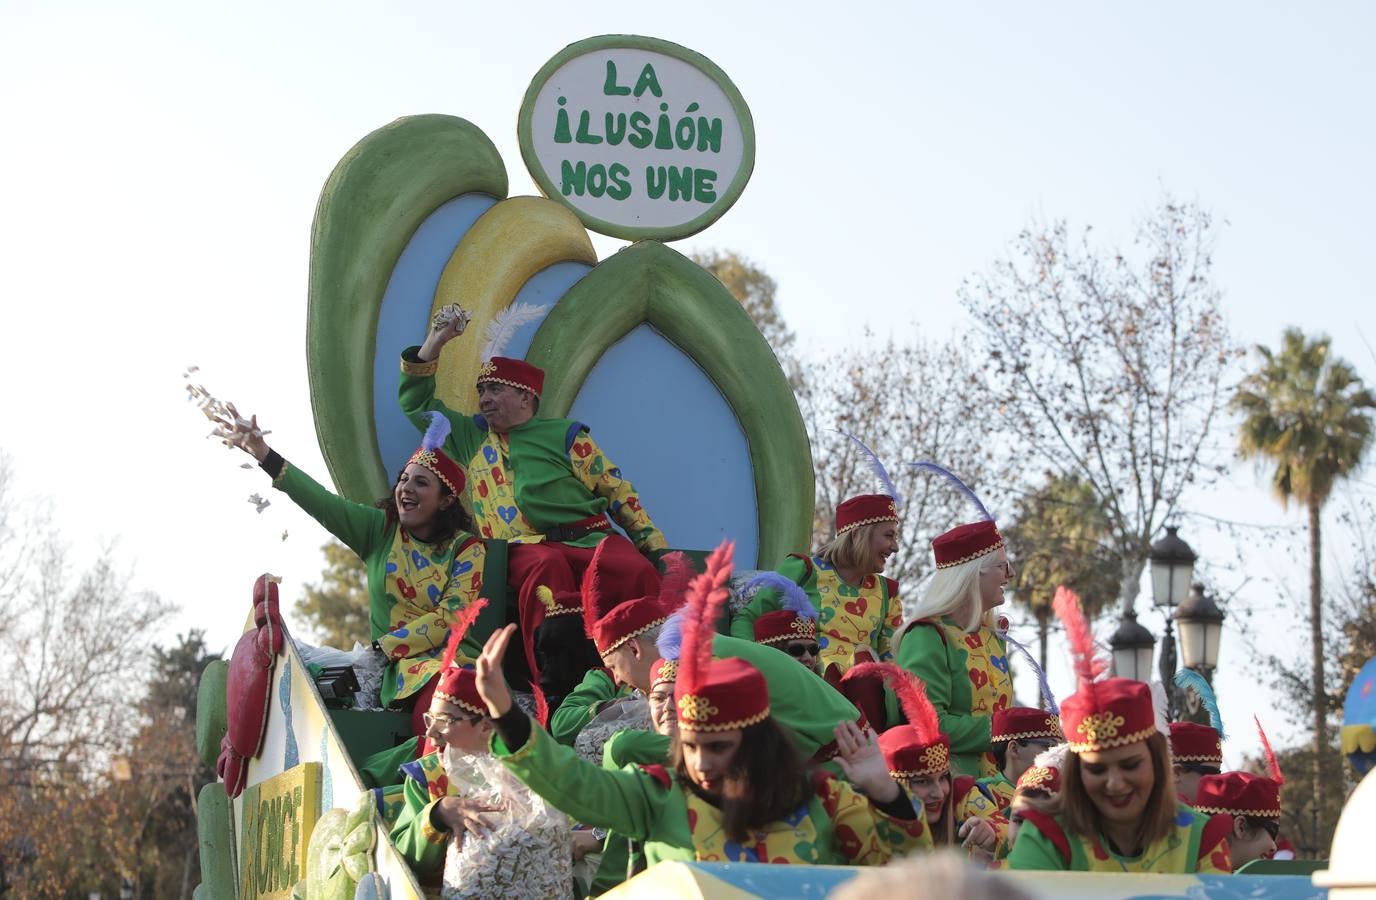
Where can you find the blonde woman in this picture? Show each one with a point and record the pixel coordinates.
(954, 645)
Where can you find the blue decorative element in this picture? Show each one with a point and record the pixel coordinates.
(420, 562)
(433, 593)
(436, 432)
(793, 598)
(290, 756)
(881, 474)
(391, 568)
(999, 662)
(462, 567)
(412, 769)
(401, 632)
(1189, 678)
(693, 471)
(326, 780)
(738, 853)
(1184, 817)
(959, 485)
(507, 513)
(405, 313)
(670, 641)
(489, 455)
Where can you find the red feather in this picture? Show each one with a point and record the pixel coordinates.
(911, 693)
(463, 620)
(1272, 764)
(673, 584)
(707, 595)
(1088, 665)
(591, 590)
(541, 706)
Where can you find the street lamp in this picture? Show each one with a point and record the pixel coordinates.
(1201, 624)
(1172, 573)
(1132, 644)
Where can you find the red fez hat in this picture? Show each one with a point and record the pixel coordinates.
(866, 509)
(460, 687)
(1040, 778)
(1102, 715)
(664, 671)
(909, 755)
(516, 372)
(1021, 722)
(731, 693)
(966, 542)
(1238, 794)
(1194, 743)
(430, 455)
(783, 625)
(630, 619)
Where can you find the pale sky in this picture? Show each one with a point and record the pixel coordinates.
(161, 166)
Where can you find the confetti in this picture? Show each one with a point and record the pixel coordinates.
(447, 314)
(230, 427)
(284, 535)
(258, 501)
(246, 466)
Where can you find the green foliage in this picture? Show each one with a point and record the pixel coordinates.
(1061, 535)
(336, 609)
(1307, 414)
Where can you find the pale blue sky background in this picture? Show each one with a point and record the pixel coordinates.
(161, 165)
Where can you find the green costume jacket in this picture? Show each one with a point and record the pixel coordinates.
(419, 841)
(620, 855)
(835, 826)
(414, 588)
(967, 680)
(542, 474)
(582, 704)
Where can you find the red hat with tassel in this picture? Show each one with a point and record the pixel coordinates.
(796, 621)
(1242, 793)
(1101, 714)
(714, 695)
(918, 749)
(457, 685)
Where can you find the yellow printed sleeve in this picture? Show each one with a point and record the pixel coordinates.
(430, 630)
(603, 477)
(864, 834)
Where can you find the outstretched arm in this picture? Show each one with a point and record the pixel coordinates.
(361, 528)
(603, 477)
(416, 388)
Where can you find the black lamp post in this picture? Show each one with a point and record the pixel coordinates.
(1172, 573)
(1132, 646)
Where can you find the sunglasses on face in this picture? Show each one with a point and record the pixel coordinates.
(799, 650)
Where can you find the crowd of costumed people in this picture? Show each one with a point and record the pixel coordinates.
(822, 726)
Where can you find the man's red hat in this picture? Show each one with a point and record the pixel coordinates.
(460, 687)
(515, 372)
(966, 542)
(1023, 722)
(630, 619)
(1238, 794)
(1194, 743)
(783, 625)
(866, 509)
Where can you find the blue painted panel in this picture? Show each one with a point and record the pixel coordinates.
(660, 418)
(545, 288)
(405, 315)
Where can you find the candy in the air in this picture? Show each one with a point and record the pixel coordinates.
(450, 313)
(259, 502)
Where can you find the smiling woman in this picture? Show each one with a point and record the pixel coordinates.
(424, 566)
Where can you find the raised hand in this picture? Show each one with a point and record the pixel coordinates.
(858, 754)
(491, 682)
(447, 324)
(242, 433)
(978, 834)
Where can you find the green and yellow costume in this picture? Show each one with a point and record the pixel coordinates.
(1195, 844)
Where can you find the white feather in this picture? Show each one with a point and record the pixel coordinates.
(1161, 706)
(503, 326)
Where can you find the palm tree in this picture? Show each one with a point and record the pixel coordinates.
(1307, 414)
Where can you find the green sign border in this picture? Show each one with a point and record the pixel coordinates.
(725, 201)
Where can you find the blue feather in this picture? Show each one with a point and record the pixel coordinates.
(670, 642)
(959, 485)
(880, 473)
(436, 433)
(1047, 697)
(1189, 678)
(795, 599)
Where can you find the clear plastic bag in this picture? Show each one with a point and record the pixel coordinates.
(527, 853)
(625, 713)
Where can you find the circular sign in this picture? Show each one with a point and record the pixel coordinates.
(641, 138)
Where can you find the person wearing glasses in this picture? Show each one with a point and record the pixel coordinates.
(858, 607)
(431, 816)
(792, 629)
(1247, 805)
(953, 643)
(1019, 734)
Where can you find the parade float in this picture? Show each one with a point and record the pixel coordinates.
(631, 137)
